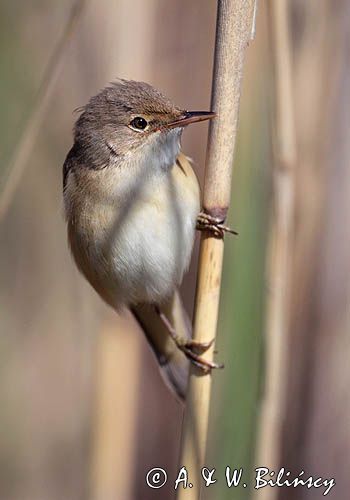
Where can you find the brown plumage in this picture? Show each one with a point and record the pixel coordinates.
(131, 202)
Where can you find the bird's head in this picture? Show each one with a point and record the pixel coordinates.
(130, 118)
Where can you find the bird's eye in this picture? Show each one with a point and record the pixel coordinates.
(139, 123)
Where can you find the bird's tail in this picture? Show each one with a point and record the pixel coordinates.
(173, 363)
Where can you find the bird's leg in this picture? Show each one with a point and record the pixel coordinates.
(214, 225)
(190, 348)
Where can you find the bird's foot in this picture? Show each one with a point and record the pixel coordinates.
(198, 347)
(191, 348)
(214, 225)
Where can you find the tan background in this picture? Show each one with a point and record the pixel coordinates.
(83, 412)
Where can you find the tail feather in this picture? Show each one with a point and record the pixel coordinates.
(173, 363)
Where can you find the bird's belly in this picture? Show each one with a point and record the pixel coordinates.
(152, 250)
(138, 250)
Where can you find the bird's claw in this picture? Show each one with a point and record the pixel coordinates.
(198, 347)
(206, 222)
(192, 351)
(191, 348)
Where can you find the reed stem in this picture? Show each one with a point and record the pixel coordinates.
(235, 25)
(280, 244)
(20, 157)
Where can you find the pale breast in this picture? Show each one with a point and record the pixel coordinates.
(140, 250)
(153, 249)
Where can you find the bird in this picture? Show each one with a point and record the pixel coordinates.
(132, 206)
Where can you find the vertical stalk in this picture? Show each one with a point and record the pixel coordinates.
(280, 244)
(114, 438)
(32, 125)
(235, 21)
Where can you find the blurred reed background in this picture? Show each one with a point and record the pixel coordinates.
(83, 412)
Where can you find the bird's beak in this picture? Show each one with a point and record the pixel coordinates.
(191, 117)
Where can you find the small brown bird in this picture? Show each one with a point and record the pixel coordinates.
(132, 205)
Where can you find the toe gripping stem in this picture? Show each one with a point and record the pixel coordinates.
(214, 225)
(191, 348)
